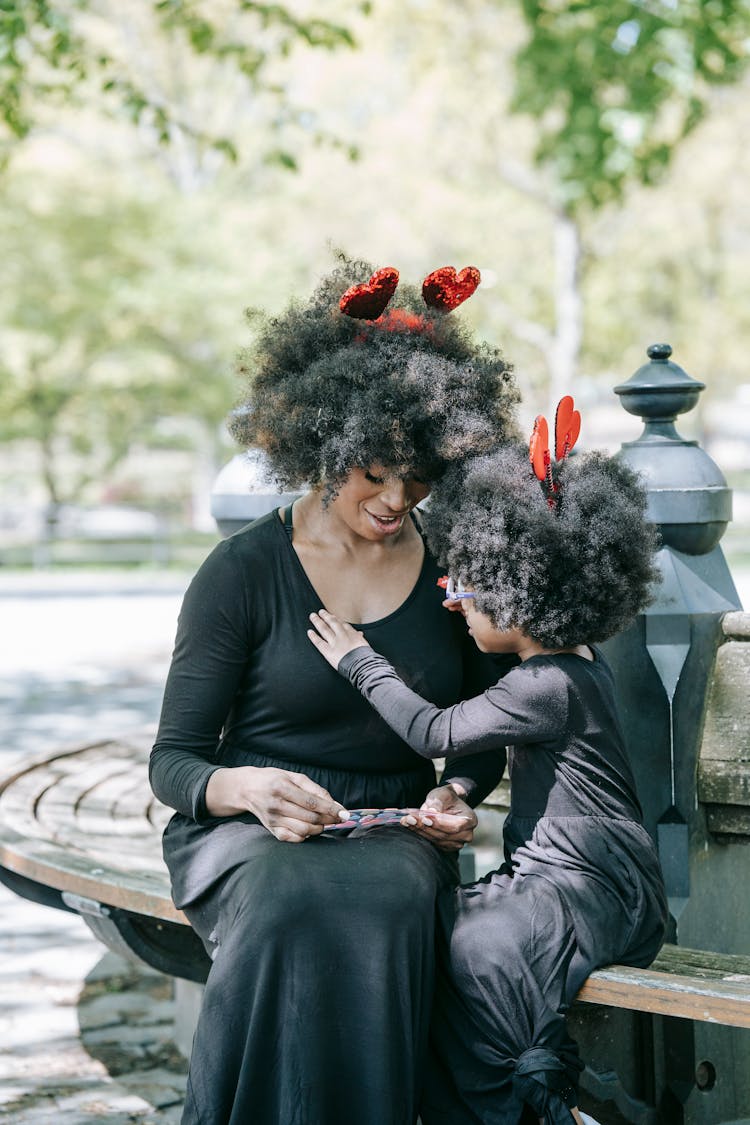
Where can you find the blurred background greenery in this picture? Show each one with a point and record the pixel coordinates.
(168, 163)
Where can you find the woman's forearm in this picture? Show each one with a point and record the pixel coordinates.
(221, 794)
(179, 779)
(475, 776)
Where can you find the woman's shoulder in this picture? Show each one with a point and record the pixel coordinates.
(246, 554)
(264, 533)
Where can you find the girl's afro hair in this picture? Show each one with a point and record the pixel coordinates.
(568, 576)
(328, 393)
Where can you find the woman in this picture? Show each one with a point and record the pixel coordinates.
(317, 1005)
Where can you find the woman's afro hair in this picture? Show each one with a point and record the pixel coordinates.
(328, 393)
(572, 575)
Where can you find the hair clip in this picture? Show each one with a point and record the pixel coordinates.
(443, 289)
(367, 301)
(567, 429)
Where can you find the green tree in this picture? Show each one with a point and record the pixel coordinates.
(112, 323)
(614, 88)
(615, 85)
(61, 52)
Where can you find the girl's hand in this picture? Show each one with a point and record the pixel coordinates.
(334, 638)
(444, 819)
(454, 606)
(290, 805)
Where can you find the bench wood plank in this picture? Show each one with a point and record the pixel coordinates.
(689, 983)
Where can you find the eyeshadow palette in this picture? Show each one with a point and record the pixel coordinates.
(370, 818)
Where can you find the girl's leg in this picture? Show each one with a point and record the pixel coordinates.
(499, 1037)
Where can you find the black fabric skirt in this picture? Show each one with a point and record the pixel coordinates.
(317, 1005)
(198, 855)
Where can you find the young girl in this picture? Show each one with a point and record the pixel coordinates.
(541, 571)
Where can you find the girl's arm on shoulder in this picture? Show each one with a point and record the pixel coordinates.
(334, 638)
(475, 776)
(527, 705)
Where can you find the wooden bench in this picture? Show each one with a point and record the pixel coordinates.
(81, 831)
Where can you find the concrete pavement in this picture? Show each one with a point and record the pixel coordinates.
(84, 1035)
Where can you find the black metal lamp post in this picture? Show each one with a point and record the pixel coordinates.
(243, 491)
(689, 501)
(688, 495)
(663, 665)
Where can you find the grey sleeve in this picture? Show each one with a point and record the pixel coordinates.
(527, 705)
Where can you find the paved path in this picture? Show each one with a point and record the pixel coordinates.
(85, 1036)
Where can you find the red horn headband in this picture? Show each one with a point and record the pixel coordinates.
(443, 289)
(567, 429)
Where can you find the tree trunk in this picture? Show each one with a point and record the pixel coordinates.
(559, 344)
(563, 357)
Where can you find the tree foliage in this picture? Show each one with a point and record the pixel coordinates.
(616, 84)
(54, 52)
(107, 331)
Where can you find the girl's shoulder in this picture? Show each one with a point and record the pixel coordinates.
(536, 679)
(568, 674)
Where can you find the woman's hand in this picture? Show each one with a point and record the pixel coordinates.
(291, 806)
(445, 819)
(334, 638)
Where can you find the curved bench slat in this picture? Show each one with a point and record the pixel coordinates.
(60, 826)
(690, 983)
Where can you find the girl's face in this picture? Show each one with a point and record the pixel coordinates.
(486, 636)
(374, 502)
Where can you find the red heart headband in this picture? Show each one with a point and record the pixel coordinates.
(443, 289)
(567, 429)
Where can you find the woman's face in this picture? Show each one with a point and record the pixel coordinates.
(374, 502)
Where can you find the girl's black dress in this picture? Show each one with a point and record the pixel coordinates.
(581, 884)
(317, 1006)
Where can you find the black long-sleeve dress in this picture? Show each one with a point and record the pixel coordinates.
(580, 887)
(317, 1005)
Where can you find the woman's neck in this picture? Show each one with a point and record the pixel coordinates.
(355, 578)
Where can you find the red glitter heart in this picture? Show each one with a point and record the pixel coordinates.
(445, 289)
(367, 300)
